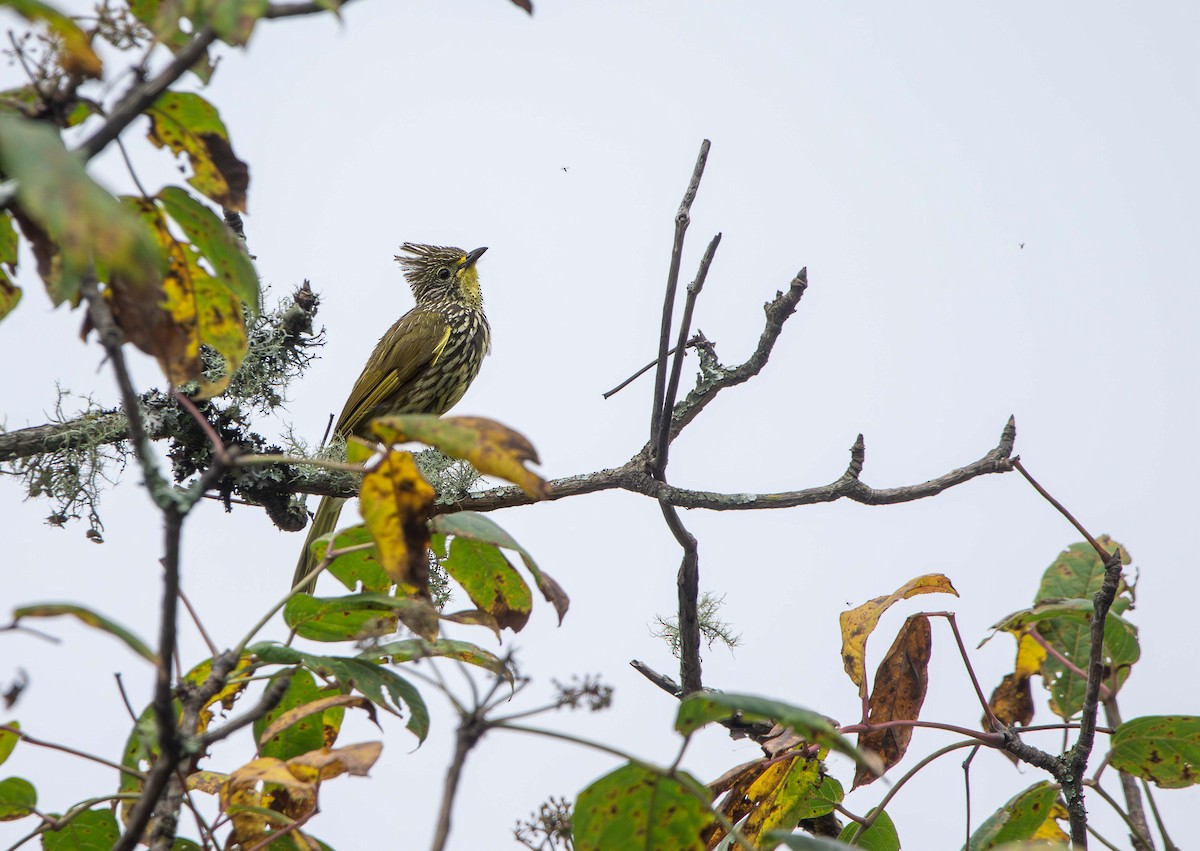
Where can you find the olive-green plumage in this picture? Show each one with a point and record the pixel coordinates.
(422, 365)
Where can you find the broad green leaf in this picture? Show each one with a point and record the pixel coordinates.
(93, 830)
(353, 569)
(395, 503)
(702, 708)
(182, 844)
(375, 682)
(190, 126)
(10, 293)
(411, 649)
(637, 807)
(1066, 625)
(1078, 572)
(858, 623)
(162, 19)
(824, 798)
(17, 798)
(92, 619)
(305, 734)
(1164, 749)
(216, 244)
(341, 618)
(77, 55)
(477, 527)
(322, 707)
(493, 449)
(490, 581)
(8, 740)
(1028, 815)
(880, 836)
(233, 20)
(71, 222)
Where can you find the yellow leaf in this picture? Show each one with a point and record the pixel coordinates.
(493, 449)
(858, 623)
(189, 125)
(328, 763)
(190, 308)
(1030, 655)
(395, 503)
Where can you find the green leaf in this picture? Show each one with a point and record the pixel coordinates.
(17, 798)
(1079, 572)
(233, 20)
(77, 55)
(91, 830)
(190, 126)
(303, 736)
(880, 836)
(71, 222)
(1029, 814)
(354, 568)
(637, 807)
(8, 740)
(476, 527)
(1164, 749)
(91, 618)
(10, 293)
(410, 649)
(828, 794)
(162, 19)
(223, 251)
(490, 581)
(1066, 626)
(702, 708)
(182, 844)
(374, 682)
(341, 618)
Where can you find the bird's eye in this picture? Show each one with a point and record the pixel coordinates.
(444, 273)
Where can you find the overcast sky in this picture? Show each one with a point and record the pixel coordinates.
(903, 155)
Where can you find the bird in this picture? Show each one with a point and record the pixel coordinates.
(423, 364)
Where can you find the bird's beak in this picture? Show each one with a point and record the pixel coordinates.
(473, 256)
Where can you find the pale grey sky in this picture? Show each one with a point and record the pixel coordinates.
(902, 154)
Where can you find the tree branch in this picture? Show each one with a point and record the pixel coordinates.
(141, 95)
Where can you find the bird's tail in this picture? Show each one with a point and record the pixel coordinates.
(323, 523)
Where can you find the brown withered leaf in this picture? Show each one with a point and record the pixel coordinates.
(395, 503)
(900, 686)
(493, 449)
(475, 617)
(858, 623)
(1012, 700)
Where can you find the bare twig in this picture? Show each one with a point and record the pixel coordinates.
(634, 377)
(631, 477)
(682, 220)
(1103, 553)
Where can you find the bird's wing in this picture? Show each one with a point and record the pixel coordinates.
(413, 343)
